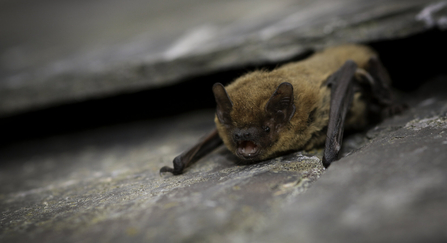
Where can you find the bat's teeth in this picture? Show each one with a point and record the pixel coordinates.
(247, 149)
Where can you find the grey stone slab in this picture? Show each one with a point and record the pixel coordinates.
(390, 190)
(54, 52)
(103, 185)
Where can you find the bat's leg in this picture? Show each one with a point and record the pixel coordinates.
(342, 93)
(206, 145)
(381, 89)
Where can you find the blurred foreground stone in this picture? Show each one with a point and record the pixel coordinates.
(103, 186)
(54, 52)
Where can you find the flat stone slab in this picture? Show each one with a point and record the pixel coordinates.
(63, 187)
(54, 53)
(103, 185)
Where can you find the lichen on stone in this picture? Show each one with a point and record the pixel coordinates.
(433, 122)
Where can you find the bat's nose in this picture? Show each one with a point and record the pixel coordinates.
(237, 137)
(242, 136)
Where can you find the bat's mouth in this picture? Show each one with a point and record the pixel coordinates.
(248, 149)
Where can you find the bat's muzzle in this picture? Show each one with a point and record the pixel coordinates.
(248, 149)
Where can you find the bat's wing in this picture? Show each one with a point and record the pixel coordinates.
(342, 93)
(381, 89)
(206, 145)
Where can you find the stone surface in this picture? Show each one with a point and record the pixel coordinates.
(54, 52)
(103, 185)
(106, 184)
(390, 190)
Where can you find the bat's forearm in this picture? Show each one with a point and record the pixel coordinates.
(206, 145)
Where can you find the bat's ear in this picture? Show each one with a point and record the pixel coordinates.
(281, 106)
(224, 104)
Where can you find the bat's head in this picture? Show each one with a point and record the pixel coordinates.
(250, 135)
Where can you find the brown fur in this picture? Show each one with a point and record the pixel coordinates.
(251, 92)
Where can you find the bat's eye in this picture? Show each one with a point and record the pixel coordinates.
(267, 129)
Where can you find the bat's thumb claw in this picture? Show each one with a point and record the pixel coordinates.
(326, 163)
(165, 169)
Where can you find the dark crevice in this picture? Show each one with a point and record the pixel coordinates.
(191, 94)
(409, 61)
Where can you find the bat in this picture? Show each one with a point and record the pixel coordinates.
(298, 106)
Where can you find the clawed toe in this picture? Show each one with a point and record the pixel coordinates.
(393, 110)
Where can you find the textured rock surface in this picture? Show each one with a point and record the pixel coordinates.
(106, 184)
(390, 190)
(103, 186)
(54, 52)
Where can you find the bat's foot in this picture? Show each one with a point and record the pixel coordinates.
(393, 109)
